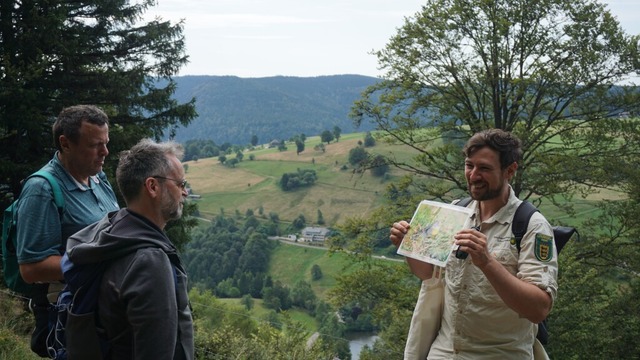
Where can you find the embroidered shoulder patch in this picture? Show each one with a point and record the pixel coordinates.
(544, 247)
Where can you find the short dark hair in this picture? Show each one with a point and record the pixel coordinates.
(145, 159)
(505, 143)
(70, 119)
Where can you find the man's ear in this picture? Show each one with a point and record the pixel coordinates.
(511, 170)
(64, 142)
(152, 187)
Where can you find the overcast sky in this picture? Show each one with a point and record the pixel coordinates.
(260, 38)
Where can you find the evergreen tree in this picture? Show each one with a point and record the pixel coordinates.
(320, 220)
(316, 272)
(299, 146)
(336, 133)
(369, 140)
(299, 223)
(59, 53)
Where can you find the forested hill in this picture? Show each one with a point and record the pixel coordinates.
(232, 109)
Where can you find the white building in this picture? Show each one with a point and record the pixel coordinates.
(315, 234)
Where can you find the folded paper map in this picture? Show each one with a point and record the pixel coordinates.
(430, 238)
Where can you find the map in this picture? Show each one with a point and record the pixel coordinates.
(430, 238)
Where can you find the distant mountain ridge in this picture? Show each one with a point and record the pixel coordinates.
(232, 109)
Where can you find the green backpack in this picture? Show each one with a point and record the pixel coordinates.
(10, 267)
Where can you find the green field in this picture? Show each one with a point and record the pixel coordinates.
(259, 313)
(339, 193)
(290, 264)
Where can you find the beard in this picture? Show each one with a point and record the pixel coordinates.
(486, 192)
(171, 209)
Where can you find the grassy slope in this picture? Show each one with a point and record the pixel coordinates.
(337, 193)
(290, 264)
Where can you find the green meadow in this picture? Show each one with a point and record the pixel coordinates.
(290, 264)
(338, 193)
(260, 313)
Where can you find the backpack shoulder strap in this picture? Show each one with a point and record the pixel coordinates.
(57, 192)
(521, 221)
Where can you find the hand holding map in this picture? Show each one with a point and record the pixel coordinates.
(430, 237)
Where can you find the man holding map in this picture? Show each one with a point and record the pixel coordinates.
(494, 297)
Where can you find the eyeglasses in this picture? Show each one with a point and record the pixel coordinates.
(181, 183)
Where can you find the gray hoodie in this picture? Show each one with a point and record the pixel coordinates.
(143, 302)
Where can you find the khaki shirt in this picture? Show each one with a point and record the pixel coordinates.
(476, 323)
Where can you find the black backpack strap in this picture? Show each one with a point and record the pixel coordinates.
(521, 221)
(464, 202)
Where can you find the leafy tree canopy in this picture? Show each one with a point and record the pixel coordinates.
(358, 156)
(337, 132)
(369, 141)
(379, 165)
(546, 70)
(327, 136)
(300, 178)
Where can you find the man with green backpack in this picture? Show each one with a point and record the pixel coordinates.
(43, 224)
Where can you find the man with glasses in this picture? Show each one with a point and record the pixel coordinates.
(143, 303)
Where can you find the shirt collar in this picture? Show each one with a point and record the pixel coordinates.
(68, 181)
(504, 215)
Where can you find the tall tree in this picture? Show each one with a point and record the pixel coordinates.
(546, 70)
(358, 156)
(379, 165)
(299, 146)
(369, 140)
(336, 132)
(320, 220)
(59, 53)
(326, 136)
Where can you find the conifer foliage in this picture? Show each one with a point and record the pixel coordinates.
(59, 53)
